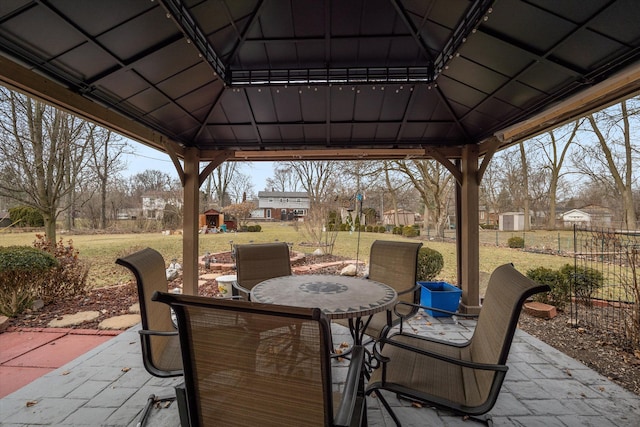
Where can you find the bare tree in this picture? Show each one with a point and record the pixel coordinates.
(434, 183)
(613, 158)
(240, 187)
(106, 150)
(315, 177)
(284, 179)
(525, 186)
(221, 179)
(39, 142)
(555, 145)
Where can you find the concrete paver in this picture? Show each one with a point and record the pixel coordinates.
(109, 386)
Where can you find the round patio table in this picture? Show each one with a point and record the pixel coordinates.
(339, 297)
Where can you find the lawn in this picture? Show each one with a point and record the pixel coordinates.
(101, 250)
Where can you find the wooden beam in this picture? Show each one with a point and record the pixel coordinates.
(224, 155)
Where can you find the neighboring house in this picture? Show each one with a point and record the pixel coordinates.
(488, 216)
(153, 204)
(282, 205)
(405, 217)
(588, 216)
(512, 221)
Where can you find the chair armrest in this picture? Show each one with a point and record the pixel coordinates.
(350, 392)
(444, 358)
(439, 310)
(241, 288)
(157, 333)
(409, 290)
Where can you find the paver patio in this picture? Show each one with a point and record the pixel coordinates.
(108, 386)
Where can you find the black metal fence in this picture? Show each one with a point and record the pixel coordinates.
(606, 286)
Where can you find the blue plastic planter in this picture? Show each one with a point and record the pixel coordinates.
(440, 295)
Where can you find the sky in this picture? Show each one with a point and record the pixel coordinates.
(144, 158)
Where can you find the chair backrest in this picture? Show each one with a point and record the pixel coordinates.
(506, 292)
(395, 264)
(261, 261)
(161, 354)
(236, 375)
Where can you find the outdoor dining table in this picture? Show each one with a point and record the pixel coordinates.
(339, 297)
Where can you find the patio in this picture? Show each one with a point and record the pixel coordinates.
(109, 386)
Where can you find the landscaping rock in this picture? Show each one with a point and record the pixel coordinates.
(135, 308)
(349, 270)
(124, 321)
(4, 323)
(74, 319)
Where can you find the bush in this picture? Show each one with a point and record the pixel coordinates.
(515, 242)
(22, 271)
(370, 228)
(258, 228)
(559, 294)
(585, 281)
(343, 227)
(68, 278)
(397, 230)
(382, 229)
(430, 263)
(409, 231)
(25, 216)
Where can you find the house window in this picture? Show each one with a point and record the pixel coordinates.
(268, 213)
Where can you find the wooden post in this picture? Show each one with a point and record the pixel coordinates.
(190, 224)
(469, 235)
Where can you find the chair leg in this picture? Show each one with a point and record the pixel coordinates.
(152, 400)
(386, 405)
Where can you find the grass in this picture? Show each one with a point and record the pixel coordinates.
(101, 250)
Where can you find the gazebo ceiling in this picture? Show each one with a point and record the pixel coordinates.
(322, 79)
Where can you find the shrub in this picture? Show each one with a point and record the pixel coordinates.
(382, 229)
(68, 278)
(397, 230)
(515, 242)
(369, 228)
(559, 294)
(25, 216)
(22, 271)
(430, 263)
(585, 281)
(258, 228)
(409, 231)
(251, 229)
(343, 227)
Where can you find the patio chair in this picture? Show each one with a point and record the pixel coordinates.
(159, 338)
(394, 264)
(258, 262)
(237, 375)
(462, 377)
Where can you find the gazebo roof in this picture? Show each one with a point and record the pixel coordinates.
(307, 79)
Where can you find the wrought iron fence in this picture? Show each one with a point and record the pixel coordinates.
(605, 284)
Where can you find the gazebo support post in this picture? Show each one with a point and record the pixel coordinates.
(468, 240)
(190, 222)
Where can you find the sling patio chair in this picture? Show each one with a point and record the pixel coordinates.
(462, 377)
(256, 262)
(394, 264)
(158, 336)
(235, 375)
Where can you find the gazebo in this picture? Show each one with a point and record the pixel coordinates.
(209, 81)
